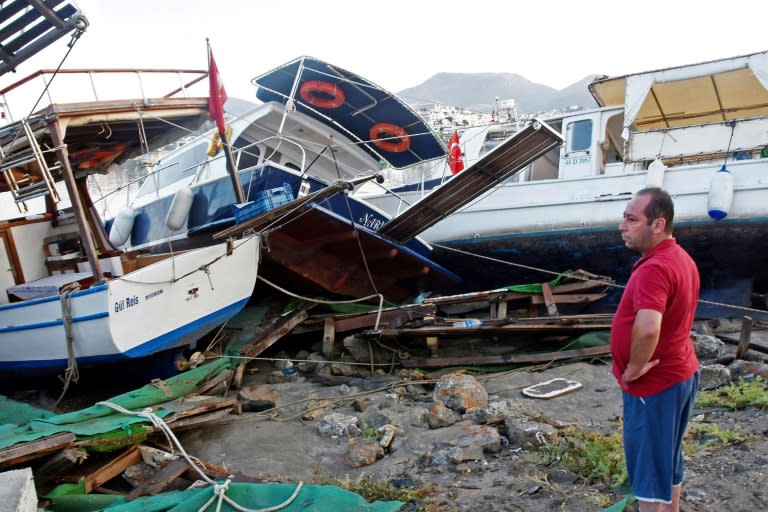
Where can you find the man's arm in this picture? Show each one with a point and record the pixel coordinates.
(645, 337)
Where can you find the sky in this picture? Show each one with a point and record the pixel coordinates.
(398, 44)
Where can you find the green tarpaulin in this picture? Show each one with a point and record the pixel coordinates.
(99, 419)
(311, 498)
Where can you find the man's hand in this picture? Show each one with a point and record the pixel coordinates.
(633, 373)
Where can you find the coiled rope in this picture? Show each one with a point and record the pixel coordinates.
(219, 489)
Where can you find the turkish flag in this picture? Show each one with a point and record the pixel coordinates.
(217, 95)
(455, 158)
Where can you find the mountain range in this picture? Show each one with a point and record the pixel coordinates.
(479, 91)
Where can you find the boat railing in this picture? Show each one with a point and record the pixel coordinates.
(24, 96)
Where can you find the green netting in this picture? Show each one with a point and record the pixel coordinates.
(99, 419)
(316, 498)
(18, 413)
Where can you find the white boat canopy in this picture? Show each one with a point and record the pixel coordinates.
(714, 91)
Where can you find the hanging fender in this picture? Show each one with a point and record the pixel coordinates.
(720, 195)
(390, 137)
(322, 94)
(179, 210)
(122, 226)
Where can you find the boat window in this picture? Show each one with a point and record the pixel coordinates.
(180, 165)
(579, 135)
(247, 154)
(494, 137)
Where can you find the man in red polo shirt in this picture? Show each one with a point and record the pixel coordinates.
(653, 358)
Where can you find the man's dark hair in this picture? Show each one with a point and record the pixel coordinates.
(660, 206)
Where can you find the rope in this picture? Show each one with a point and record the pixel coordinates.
(205, 268)
(72, 373)
(321, 301)
(219, 490)
(81, 25)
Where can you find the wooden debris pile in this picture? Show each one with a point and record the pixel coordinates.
(118, 458)
(509, 319)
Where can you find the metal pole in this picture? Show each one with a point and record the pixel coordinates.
(232, 169)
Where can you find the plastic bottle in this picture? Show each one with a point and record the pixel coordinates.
(473, 322)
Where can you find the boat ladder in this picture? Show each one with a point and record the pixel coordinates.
(25, 186)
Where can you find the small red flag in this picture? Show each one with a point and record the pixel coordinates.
(455, 158)
(217, 94)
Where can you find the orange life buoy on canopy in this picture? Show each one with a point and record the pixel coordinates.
(322, 94)
(395, 138)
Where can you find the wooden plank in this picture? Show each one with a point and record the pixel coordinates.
(744, 337)
(546, 291)
(569, 298)
(218, 379)
(269, 338)
(485, 330)
(203, 407)
(501, 310)
(506, 359)
(194, 421)
(329, 336)
(162, 479)
(116, 466)
(34, 449)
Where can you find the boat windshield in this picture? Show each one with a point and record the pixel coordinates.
(180, 165)
(494, 137)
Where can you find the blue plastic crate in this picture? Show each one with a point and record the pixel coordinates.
(265, 201)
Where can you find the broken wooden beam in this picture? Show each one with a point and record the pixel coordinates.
(23, 452)
(483, 330)
(160, 480)
(744, 337)
(268, 339)
(111, 469)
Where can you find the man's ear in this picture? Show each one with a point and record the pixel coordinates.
(659, 225)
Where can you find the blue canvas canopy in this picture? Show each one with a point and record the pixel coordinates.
(383, 125)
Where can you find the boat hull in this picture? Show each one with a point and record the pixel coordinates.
(166, 305)
(556, 225)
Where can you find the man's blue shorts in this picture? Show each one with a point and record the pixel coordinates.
(653, 439)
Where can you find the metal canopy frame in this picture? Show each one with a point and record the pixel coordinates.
(29, 26)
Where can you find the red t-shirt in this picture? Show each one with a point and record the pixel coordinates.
(666, 280)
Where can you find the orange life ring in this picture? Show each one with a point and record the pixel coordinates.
(322, 94)
(396, 139)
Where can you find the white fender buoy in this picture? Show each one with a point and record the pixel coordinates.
(122, 226)
(180, 206)
(720, 195)
(655, 174)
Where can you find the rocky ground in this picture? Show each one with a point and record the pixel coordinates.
(495, 460)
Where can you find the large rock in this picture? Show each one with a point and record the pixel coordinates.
(493, 413)
(708, 348)
(460, 393)
(441, 416)
(364, 454)
(338, 425)
(713, 376)
(482, 437)
(742, 368)
(530, 435)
